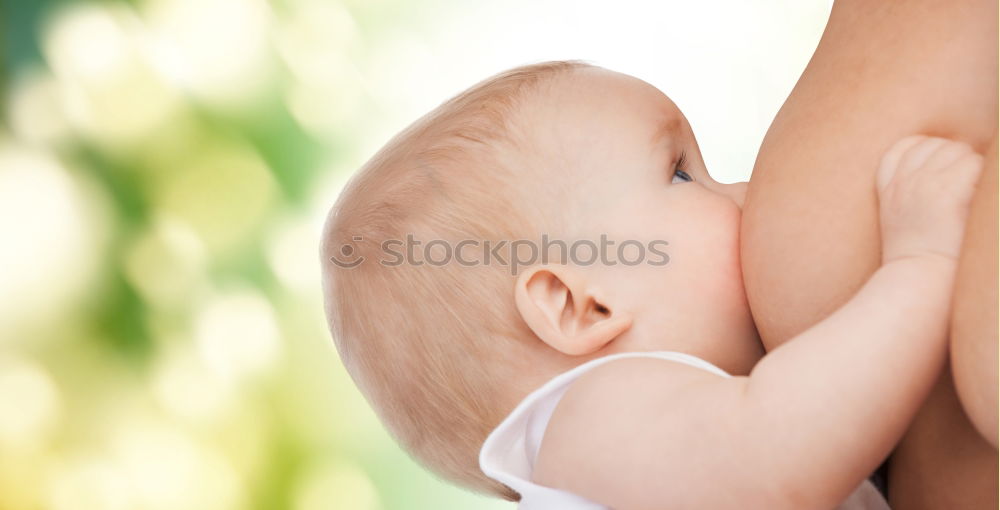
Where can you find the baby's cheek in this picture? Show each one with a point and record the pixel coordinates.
(721, 252)
(718, 231)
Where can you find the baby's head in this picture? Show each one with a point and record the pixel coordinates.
(443, 351)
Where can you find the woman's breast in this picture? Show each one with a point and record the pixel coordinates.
(882, 70)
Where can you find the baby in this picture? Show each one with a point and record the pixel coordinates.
(638, 382)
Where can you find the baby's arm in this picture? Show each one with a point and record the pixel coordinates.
(816, 415)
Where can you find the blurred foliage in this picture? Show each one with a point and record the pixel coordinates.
(165, 166)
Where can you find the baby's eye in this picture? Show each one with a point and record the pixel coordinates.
(680, 176)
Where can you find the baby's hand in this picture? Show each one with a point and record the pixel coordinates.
(924, 188)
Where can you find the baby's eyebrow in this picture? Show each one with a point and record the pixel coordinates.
(666, 129)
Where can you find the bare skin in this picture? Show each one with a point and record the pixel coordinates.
(634, 433)
(974, 315)
(810, 237)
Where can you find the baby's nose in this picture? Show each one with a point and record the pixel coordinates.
(736, 191)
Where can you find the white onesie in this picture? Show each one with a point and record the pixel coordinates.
(508, 454)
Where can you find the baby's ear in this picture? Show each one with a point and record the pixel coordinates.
(562, 307)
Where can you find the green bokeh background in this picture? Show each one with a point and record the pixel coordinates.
(165, 166)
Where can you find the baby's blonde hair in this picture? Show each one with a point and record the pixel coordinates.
(439, 351)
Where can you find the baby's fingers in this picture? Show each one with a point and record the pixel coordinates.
(961, 176)
(891, 161)
(947, 154)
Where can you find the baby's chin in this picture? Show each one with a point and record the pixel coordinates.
(730, 322)
(750, 349)
(736, 347)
